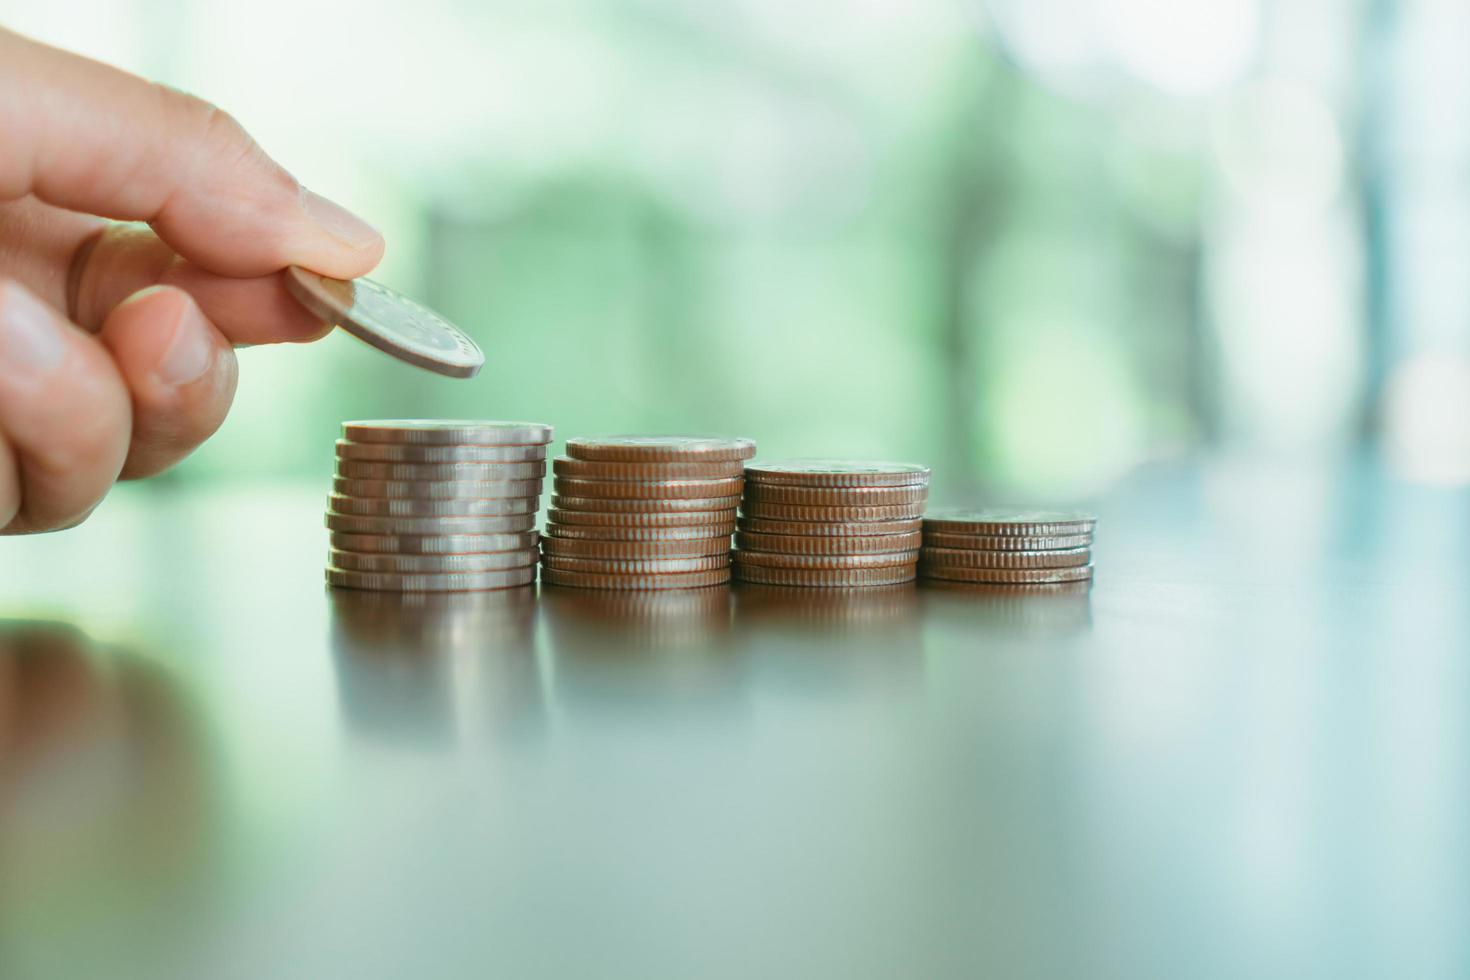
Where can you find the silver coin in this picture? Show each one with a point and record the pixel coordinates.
(387, 452)
(438, 544)
(968, 558)
(490, 561)
(363, 470)
(448, 582)
(463, 507)
(836, 473)
(389, 321)
(436, 526)
(997, 522)
(435, 489)
(447, 432)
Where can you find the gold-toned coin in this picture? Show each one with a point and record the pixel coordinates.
(963, 558)
(434, 526)
(1007, 576)
(975, 542)
(598, 469)
(836, 473)
(452, 472)
(997, 522)
(612, 505)
(650, 449)
(678, 518)
(647, 489)
(447, 582)
(776, 559)
(824, 577)
(828, 515)
(792, 544)
(387, 452)
(679, 580)
(464, 507)
(618, 532)
(387, 320)
(835, 496)
(435, 489)
(446, 432)
(490, 561)
(836, 529)
(637, 566)
(582, 548)
(433, 544)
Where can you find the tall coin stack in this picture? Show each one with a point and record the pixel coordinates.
(1001, 547)
(422, 505)
(643, 512)
(834, 523)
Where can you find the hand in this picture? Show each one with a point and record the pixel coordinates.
(116, 355)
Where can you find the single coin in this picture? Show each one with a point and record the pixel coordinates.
(964, 558)
(976, 542)
(475, 472)
(1007, 576)
(667, 505)
(792, 544)
(836, 473)
(489, 561)
(387, 452)
(636, 566)
(678, 518)
(462, 507)
(835, 496)
(582, 548)
(824, 577)
(775, 559)
(618, 532)
(387, 320)
(681, 580)
(435, 489)
(447, 582)
(433, 544)
(598, 469)
(650, 449)
(646, 489)
(435, 526)
(840, 529)
(829, 515)
(446, 432)
(1010, 523)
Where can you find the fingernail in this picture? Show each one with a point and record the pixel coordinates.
(30, 338)
(190, 352)
(337, 221)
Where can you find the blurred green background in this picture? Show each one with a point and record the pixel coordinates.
(1034, 243)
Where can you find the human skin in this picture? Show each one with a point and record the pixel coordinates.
(142, 238)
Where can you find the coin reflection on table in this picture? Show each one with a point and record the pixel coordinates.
(813, 638)
(106, 802)
(430, 668)
(611, 648)
(1061, 608)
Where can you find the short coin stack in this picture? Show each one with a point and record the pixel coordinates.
(423, 505)
(643, 512)
(834, 523)
(1004, 547)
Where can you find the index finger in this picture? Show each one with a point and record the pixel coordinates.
(88, 137)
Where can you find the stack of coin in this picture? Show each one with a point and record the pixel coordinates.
(1008, 547)
(643, 512)
(423, 505)
(835, 523)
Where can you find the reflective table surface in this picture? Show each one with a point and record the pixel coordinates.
(1243, 752)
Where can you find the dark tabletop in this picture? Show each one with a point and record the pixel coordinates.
(1243, 752)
